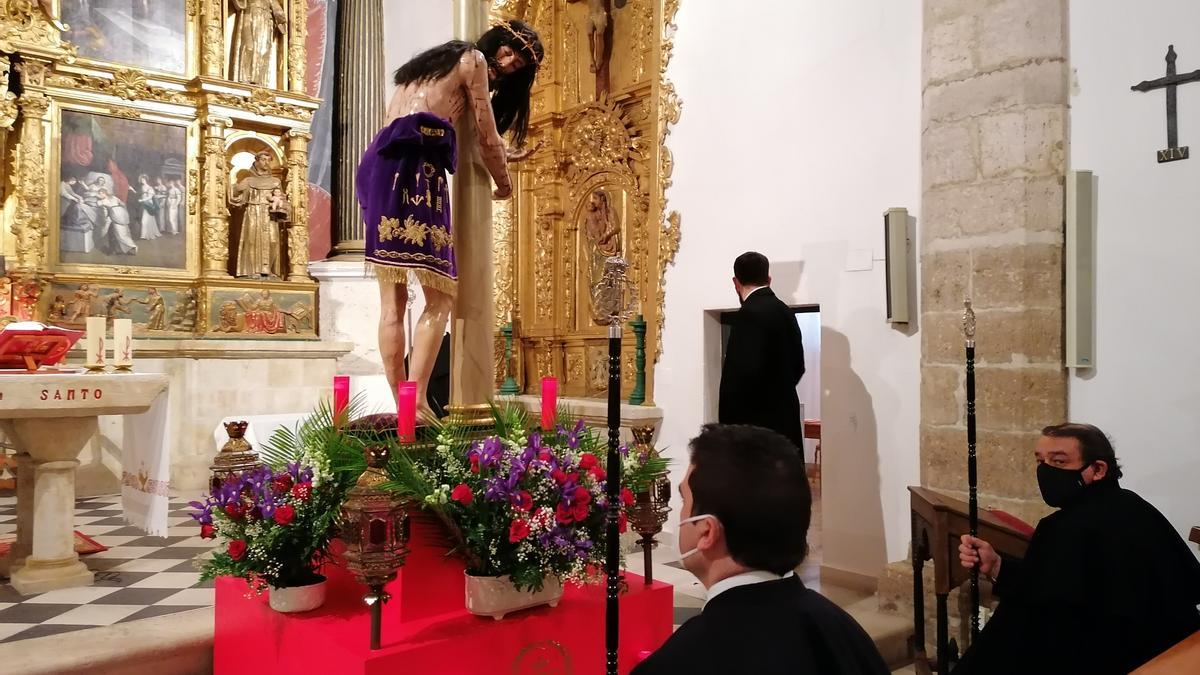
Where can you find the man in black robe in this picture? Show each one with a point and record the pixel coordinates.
(764, 358)
(745, 515)
(1107, 583)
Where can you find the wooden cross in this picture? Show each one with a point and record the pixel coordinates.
(1170, 83)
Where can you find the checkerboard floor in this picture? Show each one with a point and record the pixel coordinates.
(136, 578)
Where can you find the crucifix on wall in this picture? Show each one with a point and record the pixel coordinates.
(600, 40)
(1171, 82)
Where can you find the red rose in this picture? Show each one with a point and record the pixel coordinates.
(622, 523)
(234, 511)
(462, 494)
(237, 549)
(518, 531)
(522, 501)
(581, 495)
(573, 477)
(285, 514)
(588, 461)
(580, 512)
(598, 473)
(626, 496)
(563, 514)
(558, 476)
(545, 455)
(282, 484)
(475, 464)
(207, 532)
(302, 491)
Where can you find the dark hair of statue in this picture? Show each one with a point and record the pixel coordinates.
(752, 269)
(1093, 444)
(510, 93)
(754, 482)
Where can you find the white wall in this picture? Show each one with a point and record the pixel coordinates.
(1144, 389)
(801, 125)
(411, 26)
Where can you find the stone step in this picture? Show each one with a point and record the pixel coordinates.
(890, 631)
(174, 644)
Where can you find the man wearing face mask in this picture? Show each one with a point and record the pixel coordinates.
(743, 528)
(764, 357)
(1107, 583)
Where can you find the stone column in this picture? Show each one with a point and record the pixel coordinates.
(472, 376)
(215, 226)
(358, 112)
(297, 188)
(24, 544)
(994, 156)
(53, 563)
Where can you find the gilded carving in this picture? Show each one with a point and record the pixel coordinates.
(543, 269)
(212, 38)
(643, 20)
(193, 191)
(30, 227)
(264, 102)
(297, 177)
(598, 138)
(502, 244)
(123, 112)
(298, 27)
(8, 100)
(598, 370)
(130, 85)
(575, 368)
(215, 228)
(570, 61)
(545, 360)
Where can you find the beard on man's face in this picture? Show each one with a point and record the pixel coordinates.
(495, 76)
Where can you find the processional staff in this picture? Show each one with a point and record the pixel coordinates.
(612, 305)
(968, 325)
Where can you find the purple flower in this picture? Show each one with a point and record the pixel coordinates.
(573, 435)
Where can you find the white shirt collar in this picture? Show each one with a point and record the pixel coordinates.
(743, 579)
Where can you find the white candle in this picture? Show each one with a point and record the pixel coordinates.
(122, 343)
(96, 330)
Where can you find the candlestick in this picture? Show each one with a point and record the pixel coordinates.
(509, 386)
(406, 412)
(123, 344)
(96, 330)
(549, 403)
(341, 397)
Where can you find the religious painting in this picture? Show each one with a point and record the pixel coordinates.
(122, 193)
(262, 312)
(152, 309)
(148, 34)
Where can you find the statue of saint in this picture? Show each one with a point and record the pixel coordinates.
(602, 227)
(156, 307)
(259, 245)
(254, 43)
(402, 184)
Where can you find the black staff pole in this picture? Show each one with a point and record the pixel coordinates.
(972, 471)
(612, 560)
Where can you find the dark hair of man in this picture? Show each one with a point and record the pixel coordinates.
(753, 481)
(510, 93)
(1093, 443)
(752, 269)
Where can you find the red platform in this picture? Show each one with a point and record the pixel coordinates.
(252, 638)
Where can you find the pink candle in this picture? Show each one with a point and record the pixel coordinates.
(341, 397)
(549, 402)
(406, 412)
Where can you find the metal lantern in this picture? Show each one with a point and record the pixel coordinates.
(235, 457)
(375, 530)
(650, 507)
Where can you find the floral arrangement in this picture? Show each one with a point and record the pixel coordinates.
(278, 520)
(523, 504)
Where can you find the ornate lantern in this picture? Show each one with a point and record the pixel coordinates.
(650, 507)
(375, 530)
(235, 457)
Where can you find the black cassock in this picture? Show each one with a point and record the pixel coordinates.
(768, 628)
(764, 361)
(1106, 585)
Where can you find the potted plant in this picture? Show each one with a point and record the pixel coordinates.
(526, 509)
(277, 520)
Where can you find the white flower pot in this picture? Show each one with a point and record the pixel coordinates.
(496, 596)
(297, 598)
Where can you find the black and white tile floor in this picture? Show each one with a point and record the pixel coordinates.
(136, 578)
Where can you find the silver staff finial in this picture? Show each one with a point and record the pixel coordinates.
(968, 320)
(612, 301)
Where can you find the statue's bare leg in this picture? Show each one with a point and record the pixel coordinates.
(427, 341)
(393, 301)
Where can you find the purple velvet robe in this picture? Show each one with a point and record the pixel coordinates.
(402, 189)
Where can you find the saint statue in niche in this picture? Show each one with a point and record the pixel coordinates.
(254, 39)
(259, 251)
(602, 227)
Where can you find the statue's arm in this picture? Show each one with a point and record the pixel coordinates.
(280, 16)
(237, 194)
(491, 146)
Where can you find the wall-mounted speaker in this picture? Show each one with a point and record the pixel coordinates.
(896, 241)
(1081, 200)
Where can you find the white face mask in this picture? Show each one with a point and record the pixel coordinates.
(684, 555)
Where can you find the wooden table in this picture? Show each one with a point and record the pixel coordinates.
(938, 523)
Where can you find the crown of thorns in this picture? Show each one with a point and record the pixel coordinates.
(526, 45)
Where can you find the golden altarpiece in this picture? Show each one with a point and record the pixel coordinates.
(601, 111)
(155, 165)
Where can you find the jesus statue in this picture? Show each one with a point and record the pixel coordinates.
(402, 187)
